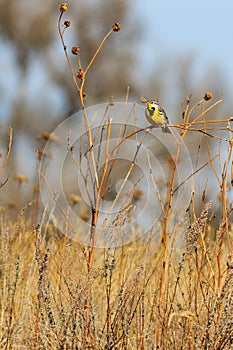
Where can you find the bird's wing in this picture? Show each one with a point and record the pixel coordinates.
(162, 111)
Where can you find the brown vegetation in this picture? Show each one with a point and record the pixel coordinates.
(173, 292)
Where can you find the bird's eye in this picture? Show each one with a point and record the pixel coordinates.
(153, 108)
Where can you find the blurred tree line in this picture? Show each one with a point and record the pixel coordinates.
(36, 88)
(37, 91)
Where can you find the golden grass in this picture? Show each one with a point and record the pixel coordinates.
(172, 292)
(44, 284)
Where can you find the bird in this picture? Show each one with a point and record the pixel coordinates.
(156, 115)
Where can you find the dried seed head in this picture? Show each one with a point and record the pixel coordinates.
(67, 23)
(45, 136)
(80, 74)
(75, 50)
(85, 216)
(116, 27)
(20, 178)
(74, 198)
(40, 152)
(11, 204)
(63, 7)
(137, 194)
(207, 96)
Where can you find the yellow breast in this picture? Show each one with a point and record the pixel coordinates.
(154, 117)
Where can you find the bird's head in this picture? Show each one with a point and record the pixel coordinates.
(152, 105)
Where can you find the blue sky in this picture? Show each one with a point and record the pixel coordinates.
(200, 28)
(203, 28)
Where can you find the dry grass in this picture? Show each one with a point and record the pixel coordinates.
(44, 284)
(173, 292)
